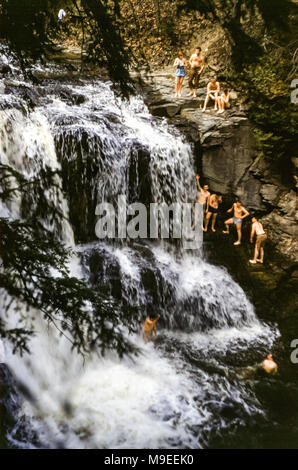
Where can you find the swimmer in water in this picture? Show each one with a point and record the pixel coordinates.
(150, 327)
(269, 365)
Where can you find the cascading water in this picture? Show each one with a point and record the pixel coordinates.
(180, 391)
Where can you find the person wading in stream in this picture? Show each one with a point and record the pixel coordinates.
(212, 210)
(257, 229)
(150, 327)
(239, 214)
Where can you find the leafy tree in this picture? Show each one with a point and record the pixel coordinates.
(29, 254)
(30, 27)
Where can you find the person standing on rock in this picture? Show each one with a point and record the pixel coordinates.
(197, 65)
(257, 229)
(212, 211)
(180, 64)
(61, 15)
(213, 89)
(203, 194)
(239, 214)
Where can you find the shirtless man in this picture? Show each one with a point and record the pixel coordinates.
(212, 210)
(149, 327)
(213, 89)
(239, 214)
(269, 365)
(197, 65)
(203, 194)
(257, 229)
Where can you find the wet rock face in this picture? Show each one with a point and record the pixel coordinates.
(226, 156)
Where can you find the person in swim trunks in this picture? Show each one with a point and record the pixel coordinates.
(180, 64)
(239, 214)
(150, 327)
(261, 237)
(203, 194)
(197, 65)
(212, 210)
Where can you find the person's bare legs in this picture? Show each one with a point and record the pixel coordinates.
(239, 233)
(180, 85)
(213, 222)
(177, 86)
(227, 224)
(262, 256)
(205, 103)
(256, 252)
(207, 221)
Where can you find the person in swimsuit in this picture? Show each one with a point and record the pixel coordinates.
(213, 89)
(149, 327)
(197, 65)
(239, 214)
(212, 210)
(203, 194)
(261, 237)
(224, 101)
(180, 64)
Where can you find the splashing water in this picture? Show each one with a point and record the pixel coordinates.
(180, 391)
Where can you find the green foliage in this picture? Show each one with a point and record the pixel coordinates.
(34, 274)
(31, 26)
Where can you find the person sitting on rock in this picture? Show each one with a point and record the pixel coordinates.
(269, 366)
(213, 89)
(180, 64)
(239, 214)
(197, 65)
(149, 327)
(212, 210)
(261, 237)
(224, 101)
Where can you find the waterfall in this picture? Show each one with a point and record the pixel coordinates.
(180, 391)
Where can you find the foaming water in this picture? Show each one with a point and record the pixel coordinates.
(179, 390)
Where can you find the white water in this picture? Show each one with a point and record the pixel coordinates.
(167, 397)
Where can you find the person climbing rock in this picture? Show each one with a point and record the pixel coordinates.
(239, 214)
(180, 64)
(150, 327)
(269, 366)
(261, 237)
(197, 65)
(212, 211)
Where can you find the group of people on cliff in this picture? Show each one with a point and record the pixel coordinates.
(196, 65)
(210, 203)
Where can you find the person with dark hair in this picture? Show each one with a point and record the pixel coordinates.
(197, 65)
(261, 237)
(150, 327)
(180, 64)
(224, 101)
(239, 214)
(212, 211)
